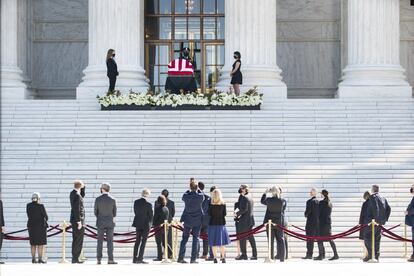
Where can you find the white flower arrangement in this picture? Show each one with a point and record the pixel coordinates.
(216, 98)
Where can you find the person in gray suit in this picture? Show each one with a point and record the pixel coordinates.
(105, 211)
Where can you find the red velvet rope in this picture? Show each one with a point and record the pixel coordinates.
(387, 233)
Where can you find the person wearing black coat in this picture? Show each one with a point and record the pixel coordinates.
(245, 222)
(1, 226)
(205, 223)
(37, 227)
(142, 223)
(77, 219)
(112, 69)
(409, 220)
(171, 213)
(312, 222)
(363, 214)
(161, 214)
(378, 210)
(275, 211)
(325, 226)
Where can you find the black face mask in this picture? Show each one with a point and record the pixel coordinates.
(411, 190)
(240, 191)
(236, 57)
(113, 55)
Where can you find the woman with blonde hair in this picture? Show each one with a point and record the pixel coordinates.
(218, 236)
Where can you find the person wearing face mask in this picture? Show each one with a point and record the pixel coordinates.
(409, 219)
(245, 222)
(235, 74)
(37, 227)
(111, 70)
(312, 222)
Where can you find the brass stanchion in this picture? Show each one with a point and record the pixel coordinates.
(373, 260)
(269, 258)
(166, 260)
(405, 243)
(64, 225)
(82, 257)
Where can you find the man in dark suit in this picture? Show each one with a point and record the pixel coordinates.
(1, 226)
(312, 222)
(409, 220)
(192, 219)
(142, 223)
(105, 211)
(205, 221)
(77, 219)
(245, 222)
(275, 211)
(171, 214)
(378, 210)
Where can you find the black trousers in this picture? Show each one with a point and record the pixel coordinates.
(170, 243)
(112, 81)
(412, 238)
(310, 244)
(140, 242)
(160, 240)
(280, 242)
(286, 249)
(77, 241)
(109, 232)
(368, 241)
(243, 243)
(1, 240)
(204, 230)
(322, 248)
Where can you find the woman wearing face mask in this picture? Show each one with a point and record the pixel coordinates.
(112, 70)
(236, 75)
(409, 219)
(37, 227)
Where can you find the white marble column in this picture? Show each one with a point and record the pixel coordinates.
(117, 25)
(250, 28)
(373, 67)
(12, 80)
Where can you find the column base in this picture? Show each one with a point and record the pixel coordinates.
(375, 92)
(84, 93)
(14, 94)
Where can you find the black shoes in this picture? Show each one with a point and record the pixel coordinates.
(307, 257)
(241, 258)
(157, 260)
(41, 261)
(77, 262)
(34, 261)
(254, 258)
(410, 260)
(141, 262)
(98, 262)
(223, 261)
(181, 261)
(112, 262)
(193, 262)
(215, 260)
(335, 257)
(319, 258)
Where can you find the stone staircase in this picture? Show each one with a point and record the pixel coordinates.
(342, 145)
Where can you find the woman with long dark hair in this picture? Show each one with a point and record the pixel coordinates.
(325, 226)
(111, 70)
(236, 75)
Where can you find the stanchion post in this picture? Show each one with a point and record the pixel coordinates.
(165, 226)
(63, 260)
(405, 243)
(373, 260)
(269, 258)
(82, 257)
(175, 242)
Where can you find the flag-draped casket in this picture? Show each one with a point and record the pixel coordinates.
(180, 77)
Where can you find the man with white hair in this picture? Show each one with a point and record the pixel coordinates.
(105, 211)
(142, 223)
(312, 222)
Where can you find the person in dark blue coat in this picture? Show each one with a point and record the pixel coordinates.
(142, 223)
(363, 217)
(161, 214)
(37, 227)
(191, 218)
(409, 220)
(171, 213)
(205, 222)
(312, 222)
(111, 70)
(378, 210)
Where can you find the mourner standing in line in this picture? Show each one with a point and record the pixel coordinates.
(77, 219)
(37, 227)
(161, 214)
(191, 218)
(217, 231)
(142, 222)
(275, 212)
(312, 222)
(171, 213)
(2, 229)
(236, 74)
(245, 222)
(111, 70)
(325, 226)
(105, 212)
(409, 220)
(205, 222)
(363, 218)
(285, 224)
(378, 210)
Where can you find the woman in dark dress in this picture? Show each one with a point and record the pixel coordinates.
(112, 70)
(362, 217)
(325, 226)
(236, 75)
(161, 214)
(218, 236)
(37, 227)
